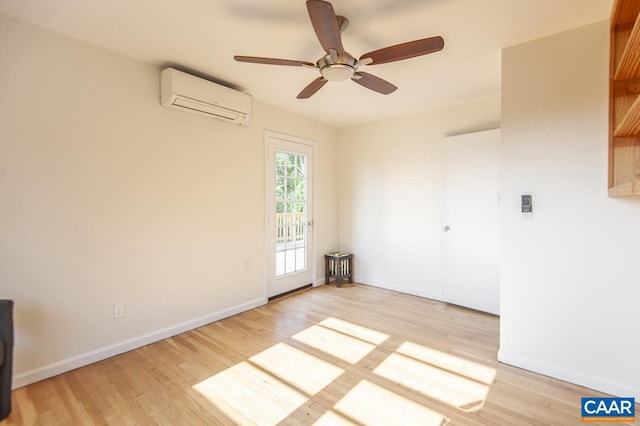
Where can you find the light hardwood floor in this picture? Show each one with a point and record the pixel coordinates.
(350, 355)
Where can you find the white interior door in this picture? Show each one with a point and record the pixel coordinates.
(470, 243)
(289, 188)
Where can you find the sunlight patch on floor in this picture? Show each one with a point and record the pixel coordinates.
(446, 382)
(370, 404)
(334, 343)
(461, 366)
(306, 372)
(249, 396)
(354, 330)
(273, 384)
(269, 386)
(331, 418)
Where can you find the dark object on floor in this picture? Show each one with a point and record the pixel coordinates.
(338, 265)
(6, 356)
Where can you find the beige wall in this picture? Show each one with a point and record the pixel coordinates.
(569, 277)
(107, 197)
(390, 195)
(569, 283)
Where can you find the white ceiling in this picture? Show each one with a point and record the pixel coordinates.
(203, 36)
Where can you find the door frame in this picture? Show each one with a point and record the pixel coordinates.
(269, 258)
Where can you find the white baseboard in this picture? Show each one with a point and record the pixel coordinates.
(44, 372)
(400, 289)
(576, 377)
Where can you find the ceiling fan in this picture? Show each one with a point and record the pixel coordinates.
(338, 64)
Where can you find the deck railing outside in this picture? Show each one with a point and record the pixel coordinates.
(290, 227)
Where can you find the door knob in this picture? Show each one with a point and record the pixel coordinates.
(446, 228)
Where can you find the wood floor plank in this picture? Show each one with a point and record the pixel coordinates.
(312, 357)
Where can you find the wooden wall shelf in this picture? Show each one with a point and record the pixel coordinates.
(629, 124)
(630, 58)
(624, 100)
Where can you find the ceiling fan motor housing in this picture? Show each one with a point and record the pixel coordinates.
(340, 69)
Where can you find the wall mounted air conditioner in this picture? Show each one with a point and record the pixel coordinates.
(193, 94)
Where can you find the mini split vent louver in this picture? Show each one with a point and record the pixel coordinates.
(196, 95)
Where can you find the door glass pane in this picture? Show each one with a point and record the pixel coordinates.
(290, 213)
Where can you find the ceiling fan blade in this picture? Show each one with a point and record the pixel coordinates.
(374, 83)
(312, 88)
(406, 50)
(273, 61)
(325, 24)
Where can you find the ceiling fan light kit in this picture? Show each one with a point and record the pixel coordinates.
(337, 64)
(340, 69)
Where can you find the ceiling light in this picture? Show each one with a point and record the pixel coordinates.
(337, 72)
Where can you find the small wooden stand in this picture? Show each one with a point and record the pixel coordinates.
(338, 265)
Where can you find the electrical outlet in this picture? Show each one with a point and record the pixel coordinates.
(118, 310)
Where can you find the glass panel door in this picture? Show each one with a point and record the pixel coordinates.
(289, 176)
(291, 220)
